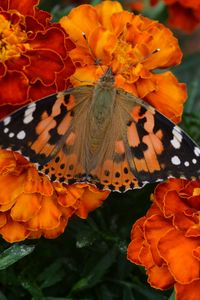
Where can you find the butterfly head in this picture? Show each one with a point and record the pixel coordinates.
(108, 78)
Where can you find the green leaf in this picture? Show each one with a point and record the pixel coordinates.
(52, 274)
(13, 254)
(2, 296)
(33, 289)
(96, 273)
(128, 294)
(172, 297)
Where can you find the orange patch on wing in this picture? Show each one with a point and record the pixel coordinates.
(135, 113)
(71, 139)
(140, 165)
(149, 124)
(157, 144)
(64, 124)
(133, 137)
(150, 155)
(119, 147)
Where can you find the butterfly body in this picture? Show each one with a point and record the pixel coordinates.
(100, 135)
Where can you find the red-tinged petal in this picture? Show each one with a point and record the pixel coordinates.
(48, 217)
(38, 90)
(188, 291)
(13, 88)
(18, 64)
(41, 69)
(137, 237)
(32, 26)
(173, 204)
(105, 11)
(14, 232)
(160, 277)
(52, 39)
(168, 88)
(2, 69)
(155, 227)
(183, 222)
(62, 77)
(42, 16)
(32, 203)
(23, 6)
(177, 251)
(196, 253)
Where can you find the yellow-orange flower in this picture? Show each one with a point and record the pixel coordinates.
(34, 60)
(133, 46)
(31, 206)
(167, 240)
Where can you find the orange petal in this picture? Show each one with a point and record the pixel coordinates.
(48, 216)
(72, 25)
(90, 200)
(177, 251)
(169, 96)
(10, 187)
(156, 227)
(54, 233)
(105, 11)
(14, 232)
(3, 219)
(160, 277)
(26, 207)
(188, 292)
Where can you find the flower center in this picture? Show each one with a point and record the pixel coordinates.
(12, 40)
(196, 192)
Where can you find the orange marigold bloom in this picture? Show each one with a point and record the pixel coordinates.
(167, 240)
(31, 206)
(183, 14)
(34, 60)
(134, 46)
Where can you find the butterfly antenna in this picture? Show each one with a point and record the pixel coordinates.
(141, 60)
(97, 61)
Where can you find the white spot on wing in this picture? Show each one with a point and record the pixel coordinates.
(21, 135)
(177, 137)
(11, 134)
(194, 161)
(186, 163)
(6, 130)
(175, 160)
(7, 120)
(197, 151)
(28, 114)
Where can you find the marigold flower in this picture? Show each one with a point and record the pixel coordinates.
(31, 206)
(167, 240)
(134, 46)
(184, 15)
(34, 60)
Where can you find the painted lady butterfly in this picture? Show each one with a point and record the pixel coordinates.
(100, 135)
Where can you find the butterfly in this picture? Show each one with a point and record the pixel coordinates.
(100, 135)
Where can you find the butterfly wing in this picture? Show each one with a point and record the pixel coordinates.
(155, 147)
(40, 129)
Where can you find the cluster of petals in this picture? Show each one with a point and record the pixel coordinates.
(184, 15)
(31, 206)
(133, 46)
(34, 60)
(167, 240)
